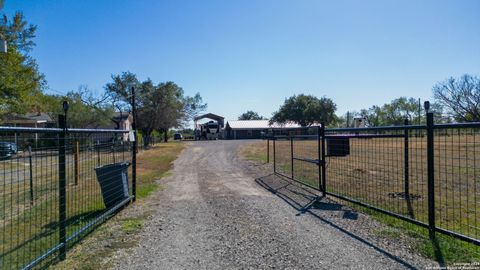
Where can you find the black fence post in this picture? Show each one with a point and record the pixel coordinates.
(268, 150)
(31, 173)
(291, 155)
(406, 161)
(321, 160)
(98, 153)
(134, 148)
(62, 187)
(431, 175)
(274, 157)
(113, 147)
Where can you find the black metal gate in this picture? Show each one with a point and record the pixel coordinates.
(299, 155)
(424, 174)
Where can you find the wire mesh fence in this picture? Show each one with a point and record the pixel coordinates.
(428, 175)
(57, 186)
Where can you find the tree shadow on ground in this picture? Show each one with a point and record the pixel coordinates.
(305, 200)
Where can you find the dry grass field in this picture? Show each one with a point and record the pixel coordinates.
(29, 228)
(374, 173)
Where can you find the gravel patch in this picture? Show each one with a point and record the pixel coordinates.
(218, 211)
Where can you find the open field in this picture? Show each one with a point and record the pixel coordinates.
(30, 227)
(374, 173)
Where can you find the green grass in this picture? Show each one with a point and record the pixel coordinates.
(442, 248)
(132, 225)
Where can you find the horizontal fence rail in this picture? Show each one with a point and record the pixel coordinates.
(428, 175)
(57, 186)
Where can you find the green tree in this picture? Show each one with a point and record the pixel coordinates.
(172, 107)
(193, 106)
(251, 115)
(159, 107)
(306, 110)
(119, 90)
(396, 111)
(20, 81)
(85, 110)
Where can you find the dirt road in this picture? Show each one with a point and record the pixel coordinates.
(218, 211)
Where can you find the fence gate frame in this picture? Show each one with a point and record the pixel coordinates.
(320, 160)
(404, 133)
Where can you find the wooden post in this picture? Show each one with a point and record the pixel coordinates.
(76, 149)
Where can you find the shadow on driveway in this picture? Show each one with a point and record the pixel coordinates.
(306, 200)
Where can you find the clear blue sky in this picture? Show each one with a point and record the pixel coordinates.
(250, 55)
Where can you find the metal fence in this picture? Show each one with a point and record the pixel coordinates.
(425, 174)
(57, 186)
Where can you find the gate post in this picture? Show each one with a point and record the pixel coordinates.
(322, 174)
(62, 187)
(268, 150)
(291, 154)
(134, 148)
(431, 173)
(406, 162)
(274, 157)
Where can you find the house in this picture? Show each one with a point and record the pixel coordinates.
(123, 121)
(120, 120)
(34, 119)
(253, 129)
(28, 120)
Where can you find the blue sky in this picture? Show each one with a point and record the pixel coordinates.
(251, 55)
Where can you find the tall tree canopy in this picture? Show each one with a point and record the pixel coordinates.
(394, 113)
(251, 115)
(306, 110)
(460, 97)
(85, 110)
(194, 106)
(119, 90)
(20, 81)
(159, 106)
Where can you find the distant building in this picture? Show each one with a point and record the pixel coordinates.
(40, 120)
(28, 120)
(251, 129)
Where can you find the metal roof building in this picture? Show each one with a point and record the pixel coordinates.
(251, 129)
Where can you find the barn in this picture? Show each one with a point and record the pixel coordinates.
(250, 129)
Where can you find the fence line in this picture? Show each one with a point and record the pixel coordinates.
(58, 185)
(428, 175)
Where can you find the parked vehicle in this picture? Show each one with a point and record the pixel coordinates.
(210, 131)
(7, 150)
(177, 136)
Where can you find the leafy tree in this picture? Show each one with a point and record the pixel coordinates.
(172, 107)
(119, 90)
(18, 33)
(306, 110)
(20, 81)
(194, 106)
(251, 115)
(159, 107)
(396, 111)
(85, 110)
(460, 97)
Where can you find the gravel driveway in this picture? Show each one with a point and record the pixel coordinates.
(218, 211)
